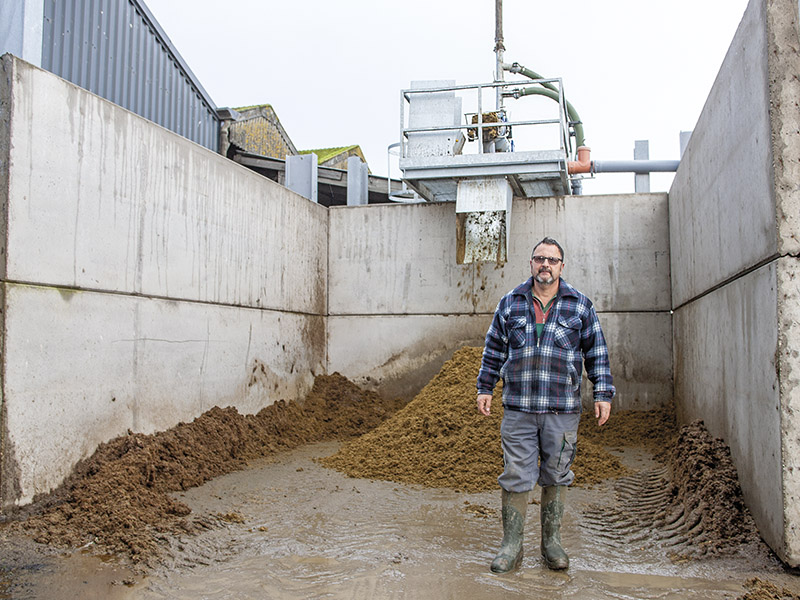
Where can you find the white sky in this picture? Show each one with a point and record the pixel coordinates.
(333, 71)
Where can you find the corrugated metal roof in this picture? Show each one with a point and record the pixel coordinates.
(117, 50)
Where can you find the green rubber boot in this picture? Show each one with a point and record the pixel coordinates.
(515, 507)
(552, 509)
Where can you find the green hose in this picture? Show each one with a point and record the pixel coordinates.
(551, 91)
(580, 140)
(534, 75)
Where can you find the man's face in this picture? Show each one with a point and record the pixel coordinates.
(546, 273)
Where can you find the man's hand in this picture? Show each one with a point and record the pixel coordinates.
(602, 410)
(485, 404)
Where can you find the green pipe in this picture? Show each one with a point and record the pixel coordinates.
(518, 68)
(580, 140)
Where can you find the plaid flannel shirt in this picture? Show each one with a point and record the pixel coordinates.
(544, 375)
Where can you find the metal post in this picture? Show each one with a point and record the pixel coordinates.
(357, 182)
(301, 175)
(389, 167)
(641, 151)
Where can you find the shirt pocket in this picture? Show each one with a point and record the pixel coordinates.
(568, 333)
(517, 327)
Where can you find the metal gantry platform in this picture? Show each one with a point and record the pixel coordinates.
(434, 139)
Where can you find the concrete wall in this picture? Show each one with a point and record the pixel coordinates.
(145, 280)
(735, 235)
(397, 293)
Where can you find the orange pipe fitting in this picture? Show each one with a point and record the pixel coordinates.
(583, 164)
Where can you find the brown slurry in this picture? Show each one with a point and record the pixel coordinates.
(440, 440)
(705, 492)
(651, 429)
(118, 499)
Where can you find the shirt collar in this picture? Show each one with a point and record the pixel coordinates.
(526, 289)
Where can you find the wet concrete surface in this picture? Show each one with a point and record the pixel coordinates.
(291, 529)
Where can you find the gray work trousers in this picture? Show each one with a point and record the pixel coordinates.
(537, 448)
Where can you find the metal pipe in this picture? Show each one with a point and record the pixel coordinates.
(515, 67)
(499, 48)
(470, 86)
(518, 68)
(635, 166)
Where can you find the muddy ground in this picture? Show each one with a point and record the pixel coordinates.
(140, 499)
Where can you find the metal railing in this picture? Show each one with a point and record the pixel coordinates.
(508, 89)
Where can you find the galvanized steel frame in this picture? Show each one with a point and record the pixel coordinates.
(505, 87)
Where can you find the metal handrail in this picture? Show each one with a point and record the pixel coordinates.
(480, 125)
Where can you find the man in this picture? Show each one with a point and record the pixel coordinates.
(542, 334)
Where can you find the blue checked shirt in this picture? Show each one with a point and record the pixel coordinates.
(544, 375)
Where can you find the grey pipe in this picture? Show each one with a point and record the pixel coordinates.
(635, 166)
(499, 48)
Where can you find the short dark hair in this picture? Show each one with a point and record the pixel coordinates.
(549, 242)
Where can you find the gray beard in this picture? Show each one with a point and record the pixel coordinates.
(541, 279)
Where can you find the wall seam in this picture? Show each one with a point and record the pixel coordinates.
(772, 258)
(326, 316)
(157, 297)
(7, 99)
(486, 314)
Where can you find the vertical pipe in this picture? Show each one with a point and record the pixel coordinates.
(641, 181)
(498, 51)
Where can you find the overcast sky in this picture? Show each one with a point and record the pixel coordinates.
(333, 71)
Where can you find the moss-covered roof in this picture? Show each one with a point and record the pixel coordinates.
(325, 154)
(243, 108)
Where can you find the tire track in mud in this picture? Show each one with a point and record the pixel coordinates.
(640, 515)
(690, 508)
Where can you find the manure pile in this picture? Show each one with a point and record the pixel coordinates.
(118, 501)
(440, 440)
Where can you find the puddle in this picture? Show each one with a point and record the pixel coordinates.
(293, 529)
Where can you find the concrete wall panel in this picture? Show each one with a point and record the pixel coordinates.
(784, 65)
(398, 355)
(617, 246)
(640, 348)
(721, 203)
(119, 204)
(397, 259)
(146, 279)
(84, 367)
(725, 374)
(788, 356)
(400, 259)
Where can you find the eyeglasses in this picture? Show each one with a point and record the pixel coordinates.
(551, 260)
